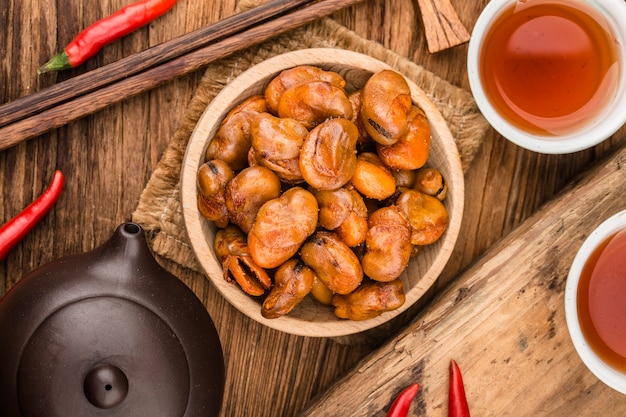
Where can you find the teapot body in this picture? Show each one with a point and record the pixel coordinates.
(108, 333)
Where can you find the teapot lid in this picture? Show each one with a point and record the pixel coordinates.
(108, 333)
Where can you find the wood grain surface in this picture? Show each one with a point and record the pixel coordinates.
(95, 90)
(504, 320)
(109, 156)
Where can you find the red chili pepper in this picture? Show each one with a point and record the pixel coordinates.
(457, 402)
(93, 38)
(402, 403)
(15, 229)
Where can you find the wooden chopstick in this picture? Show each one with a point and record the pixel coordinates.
(133, 64)
(63, 105)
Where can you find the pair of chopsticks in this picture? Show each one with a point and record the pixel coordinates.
(85, 94)
(88, 93)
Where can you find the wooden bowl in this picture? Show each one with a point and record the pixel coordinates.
(311, 318)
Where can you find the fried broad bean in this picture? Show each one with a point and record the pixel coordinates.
(334, 206)
(356, 101)
(281, 226)
(295, 76)
(247, 192)
(404, 178)
(328, 155)
(321, 292)
(411, 150)
(387, 244)
(293, 280)
(385, 106)
(430, 181)
(212, 178)
(369, 300)
(372, 178)
(231, 249)
(313, 102)
(427, 216)
(277, 143)
(333, 261)
(232, 140)
(354, 229)
(343, 211)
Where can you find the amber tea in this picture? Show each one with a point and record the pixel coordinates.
(601, 305)
(549, 66)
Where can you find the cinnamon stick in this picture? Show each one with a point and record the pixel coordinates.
(442, 25)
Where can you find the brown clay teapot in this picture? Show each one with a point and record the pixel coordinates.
(108, 333)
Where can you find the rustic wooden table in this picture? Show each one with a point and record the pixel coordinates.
(108, 158)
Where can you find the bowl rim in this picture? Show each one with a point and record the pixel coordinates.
(611, 377)
(199, 141)
(603, 125)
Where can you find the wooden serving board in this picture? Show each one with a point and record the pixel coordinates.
(503, 321)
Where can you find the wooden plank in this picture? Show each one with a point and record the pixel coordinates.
(503, 322)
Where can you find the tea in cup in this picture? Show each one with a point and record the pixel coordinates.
(550, 75)
(595, 302)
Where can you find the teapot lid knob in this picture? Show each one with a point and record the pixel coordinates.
(106, 386)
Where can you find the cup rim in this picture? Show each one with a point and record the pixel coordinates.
(605, 373)
(603, 125)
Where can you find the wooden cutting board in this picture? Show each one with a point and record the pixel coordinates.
(503, 322)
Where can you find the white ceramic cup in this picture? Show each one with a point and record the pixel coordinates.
(606, 122)
(605, 373)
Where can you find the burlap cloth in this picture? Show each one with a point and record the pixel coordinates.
(159, 209)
